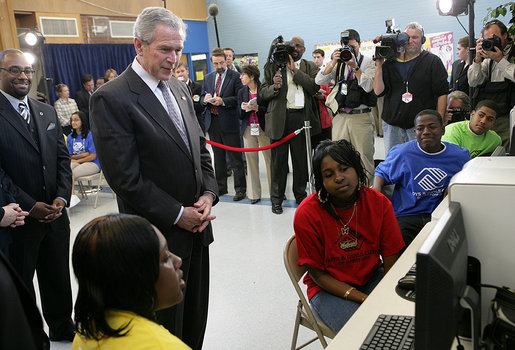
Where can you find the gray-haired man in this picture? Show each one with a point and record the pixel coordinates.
(415, 81)
(154, 156)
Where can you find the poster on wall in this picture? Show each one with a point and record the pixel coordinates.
(440, 44)
(248, 58)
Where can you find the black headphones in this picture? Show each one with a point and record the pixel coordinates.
(423, 36)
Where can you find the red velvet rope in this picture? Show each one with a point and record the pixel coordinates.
(256, 149)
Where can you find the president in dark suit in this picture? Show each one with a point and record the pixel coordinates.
(83, 95)
(220, 95)
(154, 156)
(36, 163)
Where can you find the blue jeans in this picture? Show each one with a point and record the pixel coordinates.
(394, 135)
(336, 311)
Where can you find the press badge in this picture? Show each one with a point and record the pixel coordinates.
(254, 129)
(407, 97)
(299, 100)
(343, 90)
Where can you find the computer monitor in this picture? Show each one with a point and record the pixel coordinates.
(441, 285)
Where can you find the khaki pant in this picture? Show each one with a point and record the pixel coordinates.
(377, 112)
(84, 169)
(253, 182)
(359, 131)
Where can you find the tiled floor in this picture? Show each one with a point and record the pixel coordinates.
(252, 301)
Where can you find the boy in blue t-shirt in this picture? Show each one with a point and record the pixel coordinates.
(421, 171)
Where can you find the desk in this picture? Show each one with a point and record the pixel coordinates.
(383, 300)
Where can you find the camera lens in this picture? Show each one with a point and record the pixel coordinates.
(384, 51)
(345, 54)
(488, 45)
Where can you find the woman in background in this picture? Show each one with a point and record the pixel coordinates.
(252, 114)
(64, 107)
(346, 234)
(459, 80)
(110, 74)
(82, 151)
(125, 273)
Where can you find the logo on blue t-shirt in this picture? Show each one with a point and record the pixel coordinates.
(78, 147)
(430, 178)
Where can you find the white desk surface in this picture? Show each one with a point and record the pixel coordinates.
(382, 300)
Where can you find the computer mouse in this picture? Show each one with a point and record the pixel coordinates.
(407, 282)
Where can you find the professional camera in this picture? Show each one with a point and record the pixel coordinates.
(458, 115)
(281, 52)
(345, 51)
(490, 43)
(392, 43)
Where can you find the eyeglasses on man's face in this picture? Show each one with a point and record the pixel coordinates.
(17, 70)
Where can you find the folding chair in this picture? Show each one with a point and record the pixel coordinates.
(98, 176)
(305, 314)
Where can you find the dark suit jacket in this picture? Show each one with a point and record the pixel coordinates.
(21, 326)
(82, 98)
(459, 80)
(34, 173)
(144, 158)
(5, 198)
(228, 114)
(276, 99)
(196, 88)
(238, 68)
(243, 96)
(196, 91)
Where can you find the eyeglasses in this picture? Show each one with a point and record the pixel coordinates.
(17, 70)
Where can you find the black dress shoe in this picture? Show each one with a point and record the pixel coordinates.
(254, 201)
(221, 193)
(239, 196)
(277, 209)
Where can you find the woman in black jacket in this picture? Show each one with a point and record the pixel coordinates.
(252, 114)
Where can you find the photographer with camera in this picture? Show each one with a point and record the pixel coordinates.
(289, 87)
(492, 73)
(475, 134)
(458, 107)
(413, 81)
(351, 99)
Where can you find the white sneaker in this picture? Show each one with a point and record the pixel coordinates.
(74, 201)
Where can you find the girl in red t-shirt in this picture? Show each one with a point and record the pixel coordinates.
(346, 233)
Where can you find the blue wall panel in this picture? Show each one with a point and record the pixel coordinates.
(196, 38)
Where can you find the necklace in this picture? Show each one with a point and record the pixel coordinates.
(345, 229)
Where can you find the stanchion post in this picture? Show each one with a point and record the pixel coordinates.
(307, 132)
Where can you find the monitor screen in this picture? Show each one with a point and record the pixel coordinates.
(441, 282)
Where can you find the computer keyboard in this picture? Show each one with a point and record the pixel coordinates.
(392, 332)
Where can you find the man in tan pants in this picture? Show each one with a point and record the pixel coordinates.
(351, 100)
